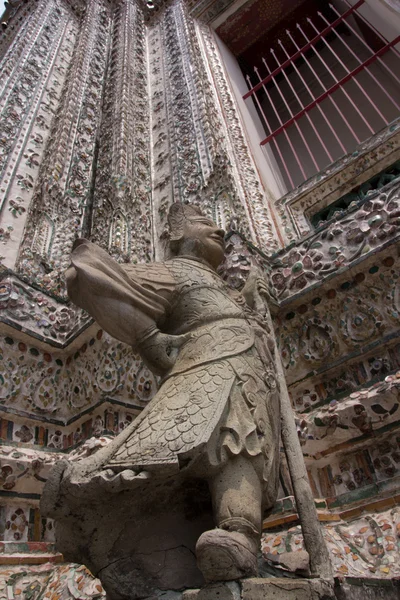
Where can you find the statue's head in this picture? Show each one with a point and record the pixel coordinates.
(193, 234)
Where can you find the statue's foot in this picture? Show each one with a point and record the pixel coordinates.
(226, 555)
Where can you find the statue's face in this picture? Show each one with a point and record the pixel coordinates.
(202, 238)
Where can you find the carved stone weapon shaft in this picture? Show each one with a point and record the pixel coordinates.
(320, 564)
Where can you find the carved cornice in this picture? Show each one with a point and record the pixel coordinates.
(349, 171)
(362, 231)
(365, 413)
(208, 10)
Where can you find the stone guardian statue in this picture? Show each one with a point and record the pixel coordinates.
(210, 434)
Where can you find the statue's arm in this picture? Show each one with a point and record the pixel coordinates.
(125, 301)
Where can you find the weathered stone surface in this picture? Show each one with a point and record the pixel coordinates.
(190, 594)
(143, 546)
(225, 590)
(364, 589)
(226, 555)
(293, 561)
(286, 589)
(275, 589)
(220, 591)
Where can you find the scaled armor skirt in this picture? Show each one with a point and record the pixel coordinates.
(202, 417)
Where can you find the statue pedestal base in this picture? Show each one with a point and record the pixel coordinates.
(138, 542)
(275, 588)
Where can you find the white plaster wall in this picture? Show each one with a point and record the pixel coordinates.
(384, 15)
(264, 159)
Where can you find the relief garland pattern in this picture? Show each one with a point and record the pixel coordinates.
(188, 176)
(17, 41)
(28, 80)
(65, 581)
(362, 413)
(162, 156)
(359, 547)
(202, 171)
(337, 327)
(58, 386)
(293, 207)
(220, 196)
(346, 379)
(32, 132)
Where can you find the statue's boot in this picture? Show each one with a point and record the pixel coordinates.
(225, 555)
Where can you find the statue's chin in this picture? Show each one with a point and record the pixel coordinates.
(217, 258)
(211, 252)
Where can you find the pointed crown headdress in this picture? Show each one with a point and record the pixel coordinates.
(177, 215)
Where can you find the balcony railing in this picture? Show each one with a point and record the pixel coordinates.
(327, 87)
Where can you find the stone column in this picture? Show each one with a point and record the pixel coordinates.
(63, 191)
(122, 209)
(32, 75)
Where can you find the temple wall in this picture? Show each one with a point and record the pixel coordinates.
(108, 114)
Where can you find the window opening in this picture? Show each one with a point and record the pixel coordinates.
(327, 83)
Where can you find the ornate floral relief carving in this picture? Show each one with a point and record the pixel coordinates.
(62, 197)
(17, 34)
(352, 417)
(122, 187)
(38, 313)
(66, 581)
(244, 173)
(361, 232)
(360, 547)
(192, 159)
(28, 78)
(346, 379)
(187, 172)
(60, 386)
(339, 323)
(239, 258)
(160, 143)
(318, 341)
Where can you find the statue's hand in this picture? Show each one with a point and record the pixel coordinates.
(254, 285)
(78, 242)
(262, 285)
(160, 350)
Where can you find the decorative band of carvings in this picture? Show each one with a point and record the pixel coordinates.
(244, 173)
(58, 386)
(121, 219)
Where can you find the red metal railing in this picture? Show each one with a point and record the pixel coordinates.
(297, 119)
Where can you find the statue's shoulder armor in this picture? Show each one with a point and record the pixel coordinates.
(191, 273)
